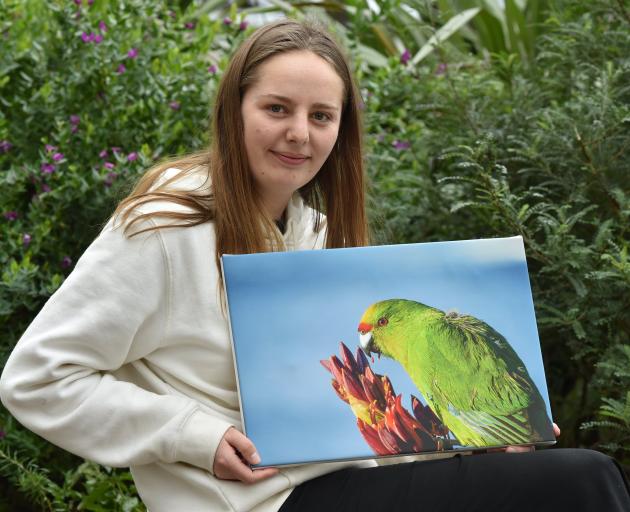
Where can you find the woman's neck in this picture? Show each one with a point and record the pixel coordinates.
(275, 206)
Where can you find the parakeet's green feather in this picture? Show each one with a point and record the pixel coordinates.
(468, 373)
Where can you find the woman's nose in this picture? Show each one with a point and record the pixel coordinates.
(298, 129)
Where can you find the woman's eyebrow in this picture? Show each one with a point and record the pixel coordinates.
(285, 99)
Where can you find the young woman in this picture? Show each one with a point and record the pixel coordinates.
(129, 363)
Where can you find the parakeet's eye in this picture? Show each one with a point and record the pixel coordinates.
(382, 322)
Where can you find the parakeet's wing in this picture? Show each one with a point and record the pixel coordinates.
(480, 380)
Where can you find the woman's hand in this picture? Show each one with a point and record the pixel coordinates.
(234, 453)
(520, 449)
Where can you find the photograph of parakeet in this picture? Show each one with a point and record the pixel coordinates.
(468, 373)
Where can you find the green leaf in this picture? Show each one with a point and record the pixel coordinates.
(371, 56)
(518, 32)
(444, 32)
(491, 32)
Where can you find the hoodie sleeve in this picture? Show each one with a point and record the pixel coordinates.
(113, 309)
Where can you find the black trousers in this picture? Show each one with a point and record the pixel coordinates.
(547, 480)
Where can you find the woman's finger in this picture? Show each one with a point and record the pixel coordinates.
(243, 445)
(556, 430)
(235, 469)
(519, 449)
(261, 474)
(234, 454)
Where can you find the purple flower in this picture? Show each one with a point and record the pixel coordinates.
(115, 149)
(46, 188)
(109, 179)
(405, 57)
(401, 144)
(26, 239)
(66, 262)
(102, 27)
(108, 165)
(103, 153)
(74, 129)
(47, 168)
(133, 53)
(441, 69)
(132, 156)
(174, 105)
(121, 69)
(244, 24)
(85, 37)
(98, 38)
(5, 146)
(227, 21)
(11, 215)
(57, 156)
(190, 25)
(90, 2)
(74, 119)
(78, 2)
(50, 148)
(212, 69)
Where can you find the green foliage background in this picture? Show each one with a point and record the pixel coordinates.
(481, 138)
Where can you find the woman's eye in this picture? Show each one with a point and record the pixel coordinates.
(321, 116)
(276, 109)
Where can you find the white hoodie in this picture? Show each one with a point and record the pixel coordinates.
(129, 364)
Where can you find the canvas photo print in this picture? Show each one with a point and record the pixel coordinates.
(389, 350)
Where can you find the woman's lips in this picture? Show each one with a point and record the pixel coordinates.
(290, 158)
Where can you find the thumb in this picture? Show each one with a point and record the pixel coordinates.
(243, 445)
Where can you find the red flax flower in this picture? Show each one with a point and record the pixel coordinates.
(385, 424)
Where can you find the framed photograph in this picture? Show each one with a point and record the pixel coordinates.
(378, 351)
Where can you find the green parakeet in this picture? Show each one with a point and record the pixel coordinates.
(468, 373)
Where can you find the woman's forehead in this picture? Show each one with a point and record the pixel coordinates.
(297, 74)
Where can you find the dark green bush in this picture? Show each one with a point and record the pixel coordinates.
(90, 96)
(497, 149)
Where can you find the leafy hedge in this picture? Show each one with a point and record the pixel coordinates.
(461, 146)
(468, 148)
(90, 95)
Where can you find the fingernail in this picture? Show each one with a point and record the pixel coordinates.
(255, 458)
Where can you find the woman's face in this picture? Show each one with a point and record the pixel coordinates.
(291, 115)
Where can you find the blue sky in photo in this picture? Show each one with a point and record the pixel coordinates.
(290, 310)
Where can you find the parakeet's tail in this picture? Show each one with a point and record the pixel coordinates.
(480, 428)
(542, 427)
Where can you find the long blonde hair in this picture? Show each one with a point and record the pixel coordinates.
(241, 224)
